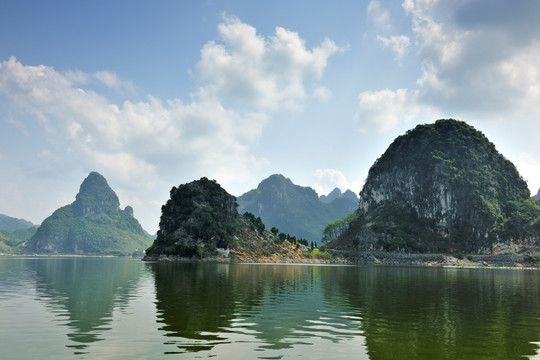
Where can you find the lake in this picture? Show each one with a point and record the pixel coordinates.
(115, 308)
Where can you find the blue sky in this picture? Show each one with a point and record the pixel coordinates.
(156, 94)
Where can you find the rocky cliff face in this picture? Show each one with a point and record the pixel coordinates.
(95, 196)
(92, 224)
(439, 187)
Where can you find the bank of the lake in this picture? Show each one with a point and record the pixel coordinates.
(378, 258)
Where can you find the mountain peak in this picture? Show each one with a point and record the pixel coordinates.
(95, 195)
(295, 209)
(276, 181)
(334, 194)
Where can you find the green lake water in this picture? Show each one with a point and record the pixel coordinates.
(113, 308)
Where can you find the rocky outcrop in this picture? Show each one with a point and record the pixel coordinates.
(440, 187)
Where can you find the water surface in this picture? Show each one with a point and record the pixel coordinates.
(96, 308)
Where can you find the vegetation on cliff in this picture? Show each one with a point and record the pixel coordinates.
(92, 224)
(443, 187)
(198, 218)
(201, 220)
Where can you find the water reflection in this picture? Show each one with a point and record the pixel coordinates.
(273, 311)
(269, 310)
(419, 313)
(82, 293)
(144, 310)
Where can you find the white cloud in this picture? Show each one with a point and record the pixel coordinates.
(380, 15)
(386, 109)
(322, 93)
(143, 144)
(398, 43)
(529, 168)
(478, 64)
(247, 70)
(113, 81)
(140, 144)
(327, 180)
(130, 139)
(478, 61)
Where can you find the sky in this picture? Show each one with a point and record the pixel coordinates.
(154, 94)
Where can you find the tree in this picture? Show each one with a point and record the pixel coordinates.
(260, 225)
(274, 230)
(336, 228)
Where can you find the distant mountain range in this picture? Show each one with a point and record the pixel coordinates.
(8, 223)
(294, 209)
(92, 224)
(14, 232)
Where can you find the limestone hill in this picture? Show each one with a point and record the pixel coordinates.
(92, 224)
(443, 187)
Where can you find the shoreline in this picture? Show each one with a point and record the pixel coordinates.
(446, 260)
(342, 258)
(382, 258)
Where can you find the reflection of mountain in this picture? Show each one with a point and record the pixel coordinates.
(203, 306)
(85, 291)
(193, 301)
(438, 313)
(293, 309)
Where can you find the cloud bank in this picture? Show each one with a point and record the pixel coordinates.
(479, 59)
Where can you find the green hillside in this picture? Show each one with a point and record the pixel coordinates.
(92, 224)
